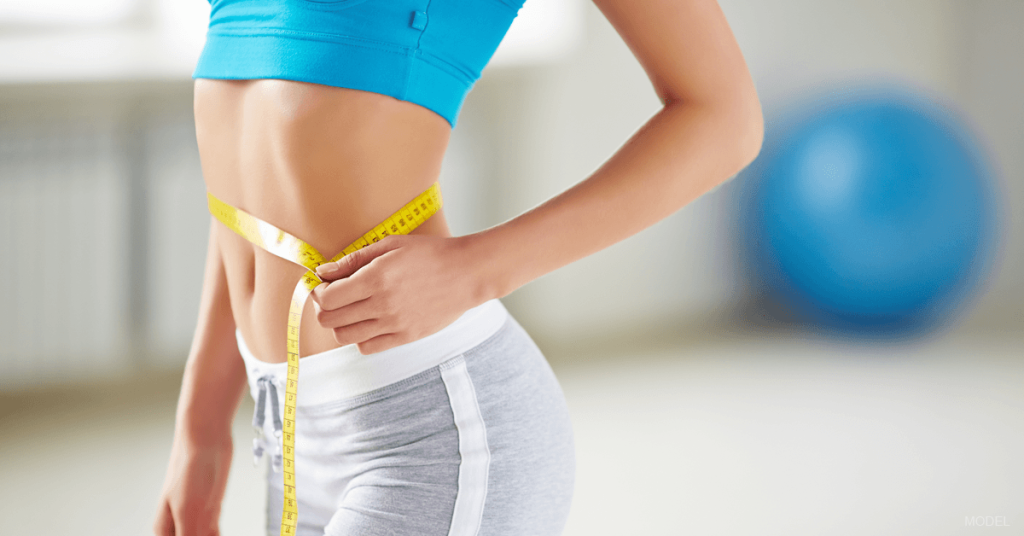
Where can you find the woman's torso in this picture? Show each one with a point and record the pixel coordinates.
(323, 163)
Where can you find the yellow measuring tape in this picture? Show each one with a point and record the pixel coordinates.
(290, 248)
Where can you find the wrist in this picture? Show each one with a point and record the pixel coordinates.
(486, 273)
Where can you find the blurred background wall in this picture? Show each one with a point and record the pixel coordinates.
(104, 221)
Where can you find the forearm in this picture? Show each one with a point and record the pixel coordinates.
(680, 153)
(214, 373)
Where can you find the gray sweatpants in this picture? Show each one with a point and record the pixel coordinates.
(480, 444)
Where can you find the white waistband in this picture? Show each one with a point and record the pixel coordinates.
(344, 372)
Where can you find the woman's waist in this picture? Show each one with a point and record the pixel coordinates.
(261, 283)
(329, 216)
(343, 372)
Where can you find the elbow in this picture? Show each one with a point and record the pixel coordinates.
(744, 135)
(745, 139)
(732, 124)
(735, 123)
(749, 131)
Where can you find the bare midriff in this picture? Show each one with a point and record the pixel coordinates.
(323, 163)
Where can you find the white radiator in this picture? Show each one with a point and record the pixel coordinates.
(178, 229)
(62, 255)
(68, 255)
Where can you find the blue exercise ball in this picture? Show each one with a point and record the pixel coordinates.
(874, 213)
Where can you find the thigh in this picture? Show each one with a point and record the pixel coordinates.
(386, 462)
(396, 501)
(404, 447)
(531, 474)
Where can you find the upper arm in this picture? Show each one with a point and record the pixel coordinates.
(686, 48)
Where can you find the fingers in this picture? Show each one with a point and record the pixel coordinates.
(351, 263)
(366, 323)
(350, 314)
(344, 267)
(383, 342)
(358, 332)
(338, 294)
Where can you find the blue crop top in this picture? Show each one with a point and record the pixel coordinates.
(428, 52)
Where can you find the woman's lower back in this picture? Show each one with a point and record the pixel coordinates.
(325, 164)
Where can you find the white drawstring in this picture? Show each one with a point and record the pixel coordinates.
(265, 384)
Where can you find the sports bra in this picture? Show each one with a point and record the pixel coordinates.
(428, 52)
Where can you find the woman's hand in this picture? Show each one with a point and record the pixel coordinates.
(194, 488)
(398, 290)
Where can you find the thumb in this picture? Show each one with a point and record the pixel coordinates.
(349, 264)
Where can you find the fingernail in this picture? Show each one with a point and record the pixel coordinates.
(327, 268)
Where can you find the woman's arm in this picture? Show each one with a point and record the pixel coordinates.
(210, 391)
(214, 373)
(708, 130)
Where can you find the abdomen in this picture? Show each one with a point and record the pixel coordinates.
(323, 163)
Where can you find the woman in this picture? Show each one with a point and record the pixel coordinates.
(423, 407)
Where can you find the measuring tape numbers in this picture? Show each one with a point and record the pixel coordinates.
(290, 248)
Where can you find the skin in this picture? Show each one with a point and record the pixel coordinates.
(326, 164)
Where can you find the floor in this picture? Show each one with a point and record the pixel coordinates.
(744, 434)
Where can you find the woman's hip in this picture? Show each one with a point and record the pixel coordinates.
(481, 439)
